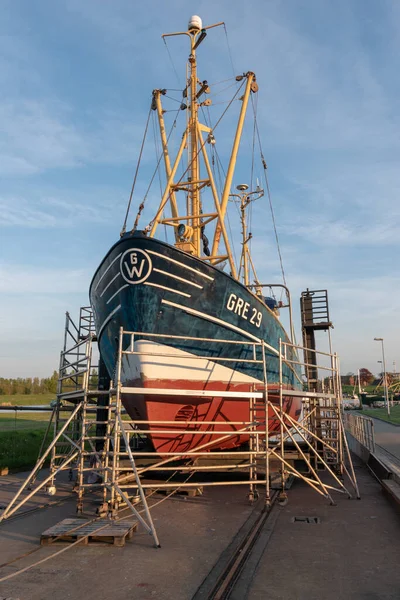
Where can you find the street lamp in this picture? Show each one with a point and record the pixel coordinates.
(384, 375)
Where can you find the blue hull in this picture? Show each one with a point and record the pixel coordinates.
(146, 285)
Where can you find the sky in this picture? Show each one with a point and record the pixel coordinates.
(76, 79)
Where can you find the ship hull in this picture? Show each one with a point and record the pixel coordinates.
(151, 288)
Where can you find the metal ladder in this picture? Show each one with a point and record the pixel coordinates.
(73, 441)
(75, 372)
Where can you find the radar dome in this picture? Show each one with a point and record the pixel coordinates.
(195, 23)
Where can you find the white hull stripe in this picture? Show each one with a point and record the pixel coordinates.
(154, 361)
(181, 264)
(163, 287)
(110, 316)
(108, 284)
(178, 278)
(117, 292)
(106, 271)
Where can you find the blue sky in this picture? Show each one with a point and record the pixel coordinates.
(76, 79)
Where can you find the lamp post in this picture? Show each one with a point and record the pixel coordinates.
(384, 375)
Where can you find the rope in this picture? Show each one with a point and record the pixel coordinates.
(123, 230)
(79, 541)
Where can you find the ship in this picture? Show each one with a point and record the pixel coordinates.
(200, 320)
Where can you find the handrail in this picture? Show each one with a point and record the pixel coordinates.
(282, 353)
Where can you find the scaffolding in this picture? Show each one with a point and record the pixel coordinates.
(94, 437)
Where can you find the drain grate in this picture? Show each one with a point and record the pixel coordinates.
(312, 520)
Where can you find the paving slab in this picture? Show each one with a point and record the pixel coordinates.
(351, 554)
(193, 532)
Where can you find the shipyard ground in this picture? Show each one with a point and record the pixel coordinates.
(352, 553)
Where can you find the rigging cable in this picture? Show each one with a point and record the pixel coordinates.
(229, 50)
(216, 163)
(255, 105)
(158, 155)
(233, 68)
(123, 230)
(200, 149)
(228, 87)
(141, 207)
(219, 168)
(170, 58)
(229, 105)
(264, 164)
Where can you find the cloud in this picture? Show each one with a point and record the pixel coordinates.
(322, 231)
(41, 135)
(34, 138)
(15, 212)
(29, 279)
(328, 118)
(40, 206)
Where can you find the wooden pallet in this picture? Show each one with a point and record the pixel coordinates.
(102, 530)
(191, 492)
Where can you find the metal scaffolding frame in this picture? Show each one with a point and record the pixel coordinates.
(112, 463)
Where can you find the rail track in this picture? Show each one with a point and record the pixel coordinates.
(233, 573)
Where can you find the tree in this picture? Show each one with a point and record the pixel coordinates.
(29, 385)
(366, 377)
(94, 379)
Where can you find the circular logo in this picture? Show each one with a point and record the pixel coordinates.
(135, 265)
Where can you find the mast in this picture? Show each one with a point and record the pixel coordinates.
(246, 263)
(251, 86)
(189, 228)
(194, 195)
(156, 105)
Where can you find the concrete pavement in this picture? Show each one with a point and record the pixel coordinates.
(352, 554)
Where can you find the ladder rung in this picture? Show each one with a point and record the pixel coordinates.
(65, 443)
(57, 456)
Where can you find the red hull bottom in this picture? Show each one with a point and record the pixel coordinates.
(179, 436)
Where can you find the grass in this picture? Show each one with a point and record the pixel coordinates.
(19, 449)
(22, 421)
(21, 435)
(381, 413)
(26, 399)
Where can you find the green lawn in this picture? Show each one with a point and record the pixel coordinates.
(21, 438)
(21, 435)
(18, 421)
(381, 413)
(19, 449)
(26, 399)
